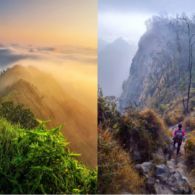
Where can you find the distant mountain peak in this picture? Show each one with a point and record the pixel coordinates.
(120, 40)
(113, 65)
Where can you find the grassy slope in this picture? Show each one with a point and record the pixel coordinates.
(124, 138)
(116, 169)
(47, 100)
(190, 157)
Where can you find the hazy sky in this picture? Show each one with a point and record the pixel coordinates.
(127, 18)
(58, 36)
(48, 22)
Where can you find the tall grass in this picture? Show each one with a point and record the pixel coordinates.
(144, 132)
(190, 151)
(116, 173)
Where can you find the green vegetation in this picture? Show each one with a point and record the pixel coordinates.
(125, 140)
(39, 161)
(190, 152)
(189, 123)
(163, 108)
(17, 114)
(174, 116)
(45, 95)
(145, 132)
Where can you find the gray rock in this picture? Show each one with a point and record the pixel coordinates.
(150, 182)
(162, 189)
(136, 155)
(179, 184)
(161, 179)
(145, 168)
(162, 172)
(150, 67)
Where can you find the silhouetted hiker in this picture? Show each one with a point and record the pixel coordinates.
(178, 137)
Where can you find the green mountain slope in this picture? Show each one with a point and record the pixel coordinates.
(48, 101)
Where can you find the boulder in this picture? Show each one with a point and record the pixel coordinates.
(161, 189)
(145, 168)
(162, 172)
(163, 179)
(179, 184)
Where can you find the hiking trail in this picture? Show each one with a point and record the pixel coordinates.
(177, 163)
(170, 176)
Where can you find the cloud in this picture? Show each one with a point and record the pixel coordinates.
(9, 56)
(13, 53)
(46, 48)
(149, 6)
(127, 18)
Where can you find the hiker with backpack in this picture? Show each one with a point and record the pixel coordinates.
(178, 137)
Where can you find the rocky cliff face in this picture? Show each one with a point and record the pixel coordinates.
(159, 70)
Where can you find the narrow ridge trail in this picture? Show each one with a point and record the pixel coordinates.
(177, 163)
(170, 176)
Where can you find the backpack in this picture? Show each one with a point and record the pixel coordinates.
(179, 135)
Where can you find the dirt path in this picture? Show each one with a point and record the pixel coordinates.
(177, 163)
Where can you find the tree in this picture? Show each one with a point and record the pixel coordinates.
(18, 115)
(190, 61)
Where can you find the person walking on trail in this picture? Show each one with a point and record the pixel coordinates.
(178, 137)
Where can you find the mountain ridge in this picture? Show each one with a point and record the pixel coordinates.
(159, 72)
(40, 92)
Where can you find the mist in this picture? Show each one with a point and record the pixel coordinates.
(128, 21)
(74, 68)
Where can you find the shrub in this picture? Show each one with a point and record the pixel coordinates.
(116, 172)
(143, 132)
(39, 161)
(133, 137)
(190, 157)
(189, 123)
(108, 115)
(152, 123)
(18, 115)
(163, 108)
(174, 117)
(190, 151)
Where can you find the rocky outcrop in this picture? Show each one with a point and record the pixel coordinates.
(163, 179)
(159, 70)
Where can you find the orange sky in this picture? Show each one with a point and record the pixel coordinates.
(44, 22)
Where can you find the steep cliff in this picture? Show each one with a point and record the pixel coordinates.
(159, 73)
